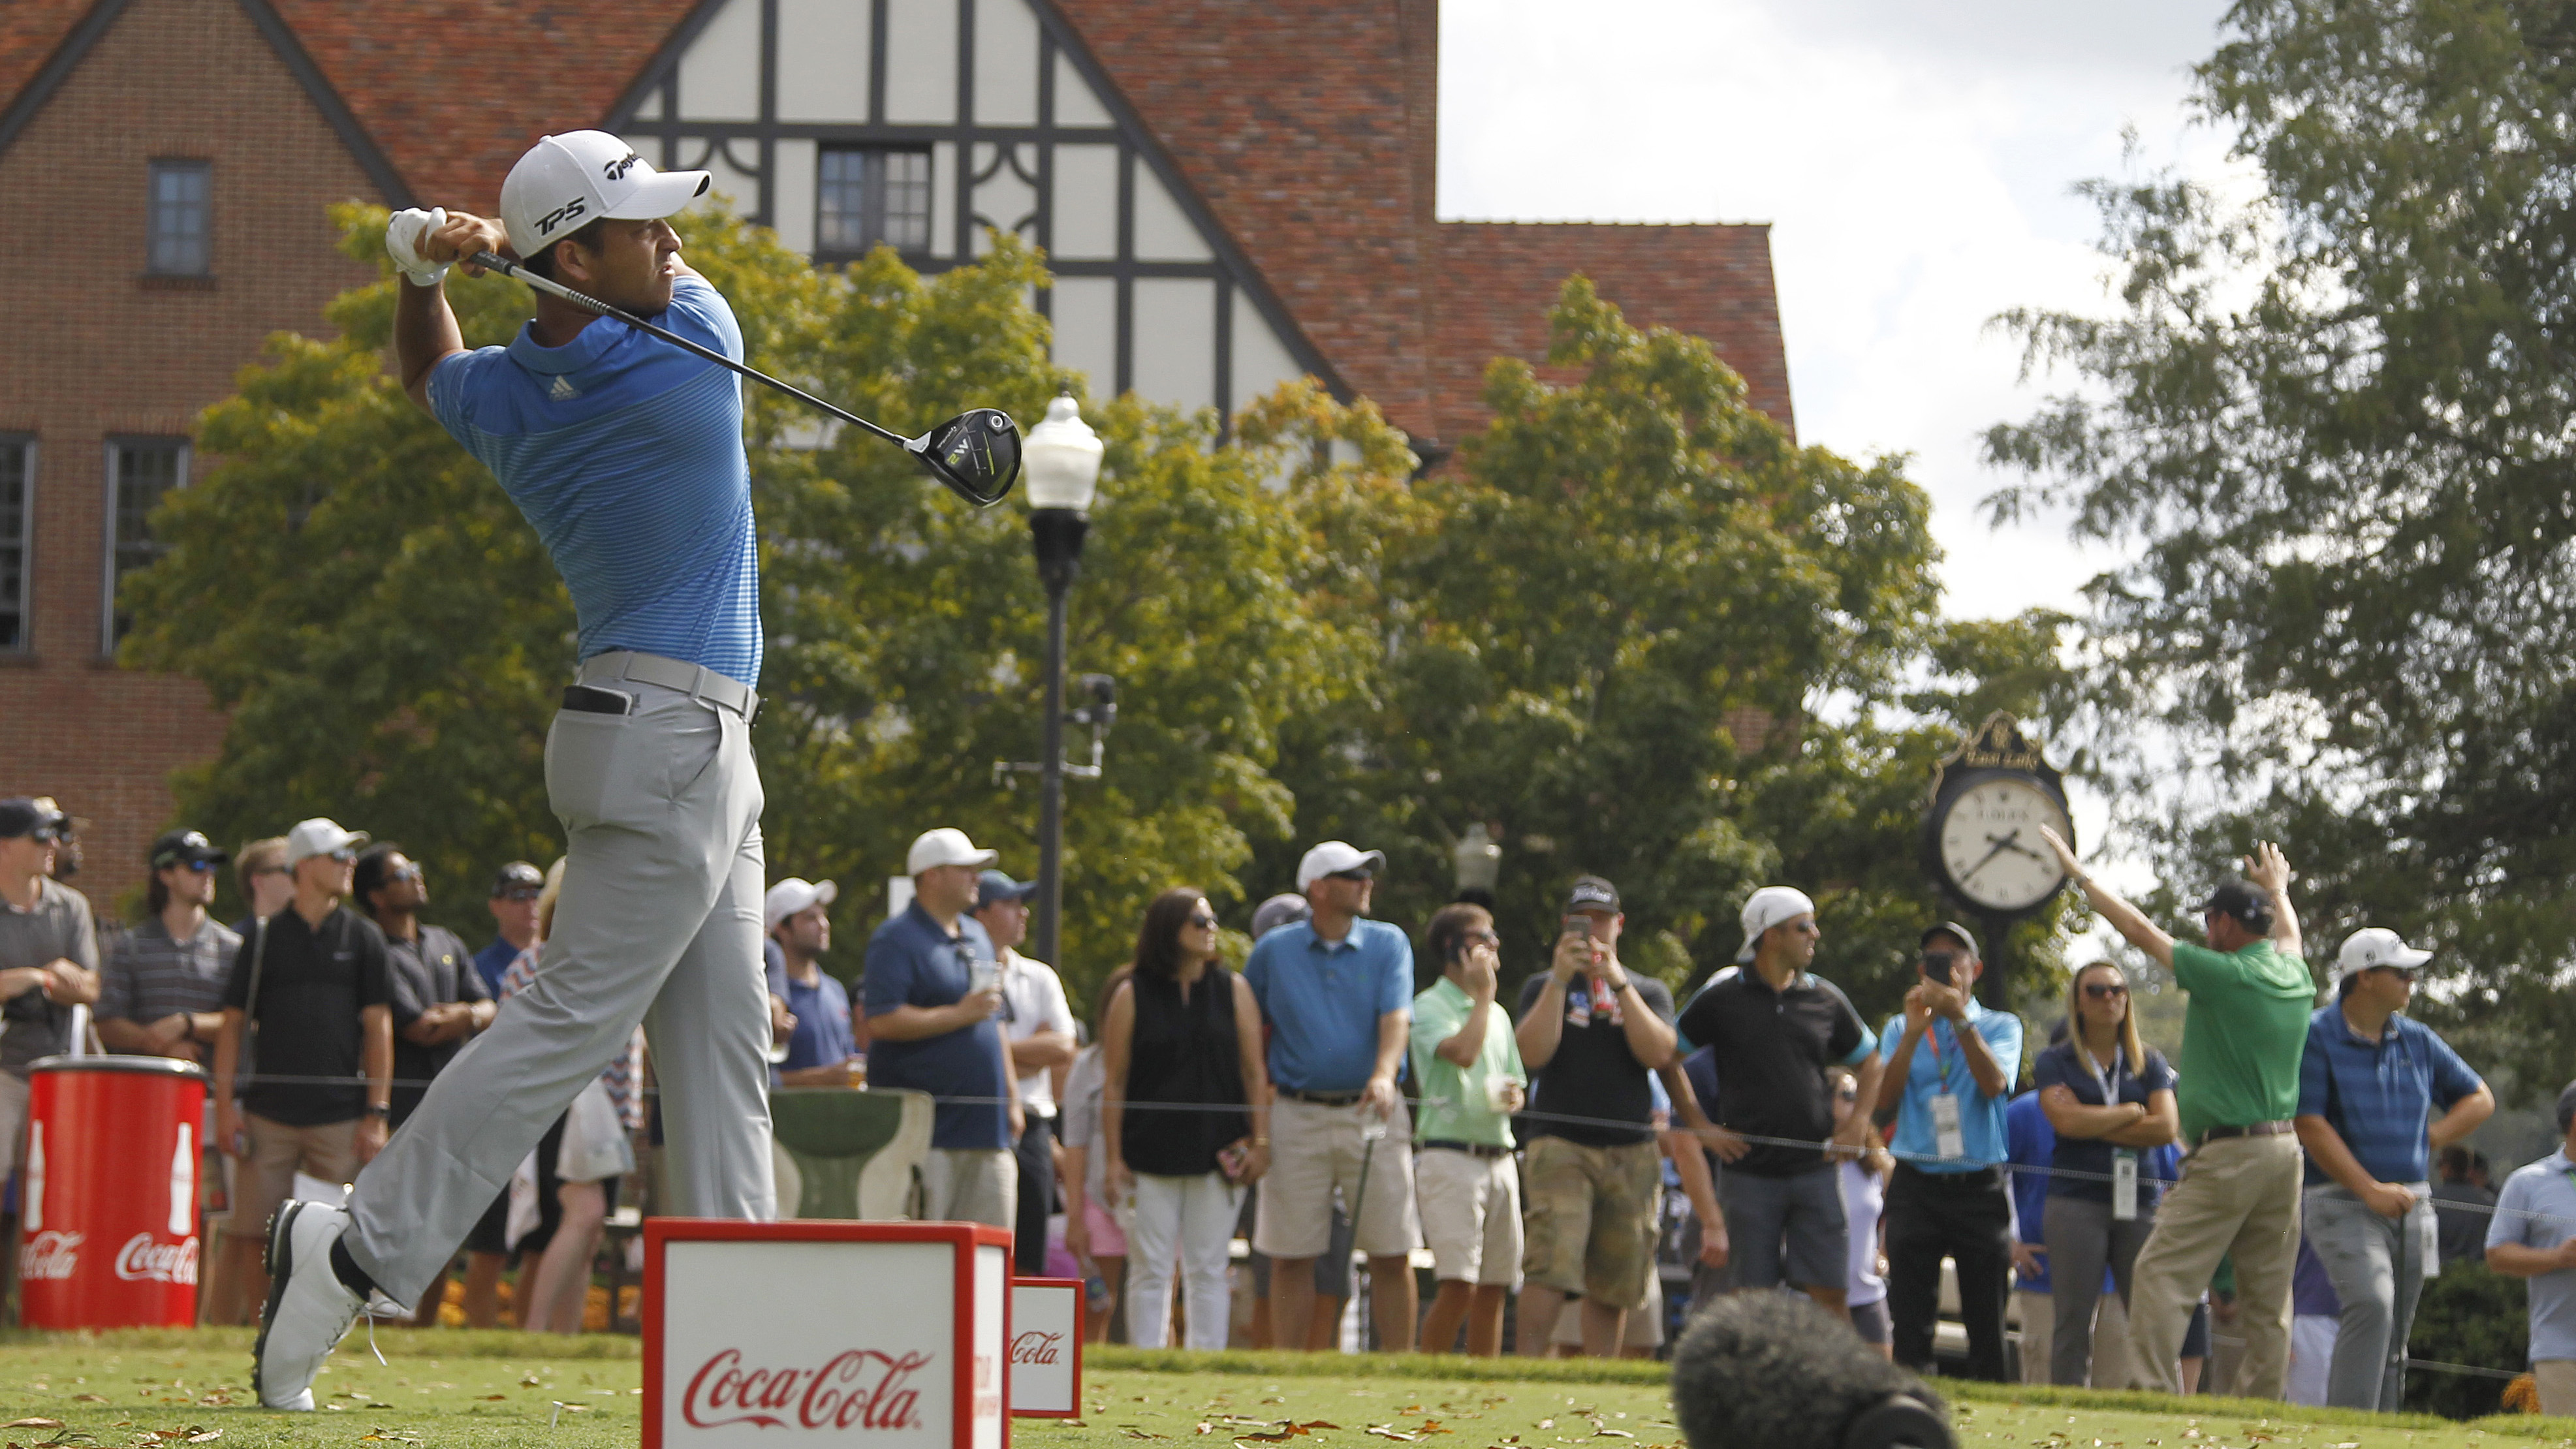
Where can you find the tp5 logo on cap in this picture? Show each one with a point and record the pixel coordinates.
(567, 181)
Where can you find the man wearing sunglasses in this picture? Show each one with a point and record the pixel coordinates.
(438, 999)
(514, 920)
(2236, 1090)
(1949, 1076)
(2369, 1081)
(162, 992)
(48, 956)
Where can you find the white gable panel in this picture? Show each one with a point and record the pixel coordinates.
(1163, 232)
(1002, 198)
(943, 198)
(720, 75)
(1006, 63)
(1086, 330)
(1075, 105)
(822, 60)
(651, 109)
(1086, 202)
(1261, 360)
(1174, 356)
(921, 62)
(791, 198)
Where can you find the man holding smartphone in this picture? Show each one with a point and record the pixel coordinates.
(1595, 1034)
(1948, 1080)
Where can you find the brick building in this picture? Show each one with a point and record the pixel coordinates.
(1229, 196)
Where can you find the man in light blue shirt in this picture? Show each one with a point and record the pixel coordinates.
(1949, 1076)
(2533, 1236)
(626, 456)
(1337, 994)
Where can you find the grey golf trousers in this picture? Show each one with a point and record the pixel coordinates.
(2377, 1266)
(658, 922)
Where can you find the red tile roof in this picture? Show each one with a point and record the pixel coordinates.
(454, 92)
(1498, 279)
(30, 32)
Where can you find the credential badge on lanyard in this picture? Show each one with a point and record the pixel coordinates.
(2124, 1160)
(1949, 1142)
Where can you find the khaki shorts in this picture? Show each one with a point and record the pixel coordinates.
(1471, 1215)
(1314, 1149)
(266, 1179)
(1592, 1218)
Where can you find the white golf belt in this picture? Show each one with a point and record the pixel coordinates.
(691, 679)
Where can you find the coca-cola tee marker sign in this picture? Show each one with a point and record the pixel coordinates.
(1046, 1348)
(788, 1335)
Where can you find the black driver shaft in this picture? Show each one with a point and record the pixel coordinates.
(554, 288)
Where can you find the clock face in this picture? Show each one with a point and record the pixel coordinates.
(1990, 845)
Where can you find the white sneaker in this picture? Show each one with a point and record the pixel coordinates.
(309, 1309)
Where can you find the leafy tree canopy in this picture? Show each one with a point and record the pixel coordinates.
(2335, 425)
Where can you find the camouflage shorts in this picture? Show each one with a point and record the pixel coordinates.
(1590, 1218)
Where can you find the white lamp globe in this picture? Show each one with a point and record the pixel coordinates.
(1062, 457)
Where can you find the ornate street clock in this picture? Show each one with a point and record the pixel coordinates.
(1981, 843)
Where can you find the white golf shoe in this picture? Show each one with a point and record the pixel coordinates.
(309, 1309)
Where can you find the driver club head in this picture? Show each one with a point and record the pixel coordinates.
(976, 453)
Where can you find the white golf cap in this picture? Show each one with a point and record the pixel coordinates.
(792, 895)
(946, 846)
(318, 836)
(1333, 856)
(2376, 946)
(567, 182)
(1769, 907)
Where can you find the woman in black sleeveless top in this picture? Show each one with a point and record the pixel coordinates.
(1182, 1034)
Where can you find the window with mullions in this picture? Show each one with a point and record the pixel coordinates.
(868, 195)
(17, 509)
(139, 471)
(181, 229)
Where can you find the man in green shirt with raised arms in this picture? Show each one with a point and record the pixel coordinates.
(1467, 1066)
(2237, 1090)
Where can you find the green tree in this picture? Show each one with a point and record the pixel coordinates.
(2335, 425)
(1636, 631)
(388, 638)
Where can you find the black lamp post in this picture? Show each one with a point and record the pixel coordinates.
(1062, 459)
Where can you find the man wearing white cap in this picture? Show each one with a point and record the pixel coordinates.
(821, 1051)
(1337, 993)
(1777, 1026)
(625, 454)
(932, 989)
(2368, 1080)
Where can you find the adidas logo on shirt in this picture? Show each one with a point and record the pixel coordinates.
(563, 390)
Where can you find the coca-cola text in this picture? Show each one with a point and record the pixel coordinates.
(859, 1388)
(51, 1254)
(143, 1260)
(1035, 1347)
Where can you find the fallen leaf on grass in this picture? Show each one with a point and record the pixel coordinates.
(1389, 1431)
(1612, 1434)
(33, 1424)
(1141, 1434)
(495, 1398)
(206, 1437)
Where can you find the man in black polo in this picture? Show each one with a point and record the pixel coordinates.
(320, 1044)
(1776, 1027)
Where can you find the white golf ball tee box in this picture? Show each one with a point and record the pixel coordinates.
(1046, 1348)
(805, 1333)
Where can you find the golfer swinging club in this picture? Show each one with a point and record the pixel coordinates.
(626, 455)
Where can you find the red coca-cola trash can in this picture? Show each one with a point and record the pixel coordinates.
(107, 1208)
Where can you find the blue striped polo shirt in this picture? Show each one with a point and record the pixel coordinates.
(625, 454)
(2377, 1095)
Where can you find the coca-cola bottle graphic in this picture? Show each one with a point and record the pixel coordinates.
(34, 1215)
(183, 1184)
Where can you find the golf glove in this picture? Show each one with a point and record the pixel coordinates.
(404, 234)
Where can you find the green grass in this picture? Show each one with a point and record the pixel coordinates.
(138, 1390)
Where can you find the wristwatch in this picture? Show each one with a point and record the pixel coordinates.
(380, 1109)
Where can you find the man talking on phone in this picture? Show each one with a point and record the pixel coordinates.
(1949, 1077)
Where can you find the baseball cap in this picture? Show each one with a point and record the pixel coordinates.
(567, 182)
(518, 875)
(1592, 893)
(945, 846)
(186, 847)
(318, 836)
(1282, 909)
(38, 820)
(993, 886)
(2375, 946)
(1768, 907)
(1333, 857)
(2240, 899)
(792, 895)
(1966, 937)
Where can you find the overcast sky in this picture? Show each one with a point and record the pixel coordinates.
(1914, 159)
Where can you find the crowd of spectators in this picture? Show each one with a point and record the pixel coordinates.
(1578, 1150)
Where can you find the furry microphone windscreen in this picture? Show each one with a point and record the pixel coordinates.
(1772, 1370)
